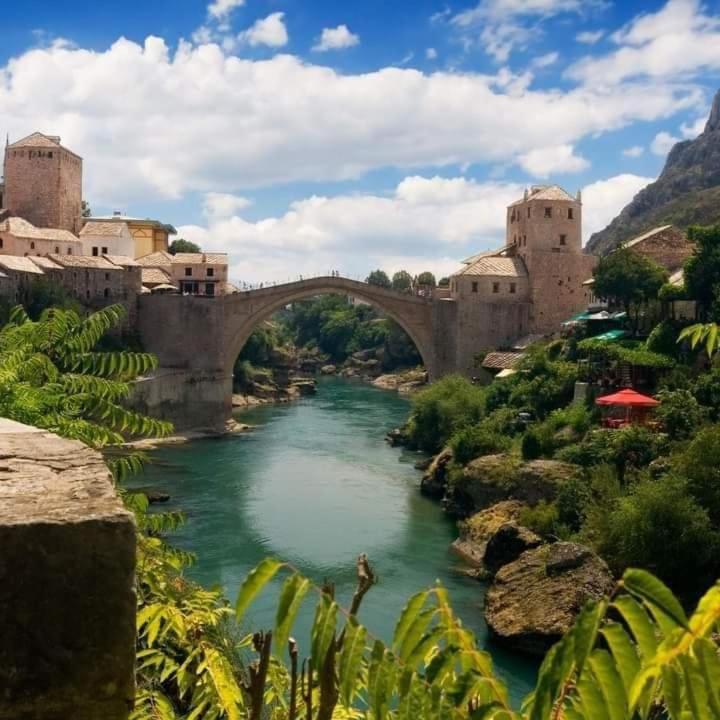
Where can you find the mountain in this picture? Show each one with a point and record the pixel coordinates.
(686, 193)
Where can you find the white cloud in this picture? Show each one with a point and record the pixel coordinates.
(693, 129)
(270, 31)
(337, 38)
(546, 60)
(431, 54)
(589, 37)
(220, 9)
(677, 40)
(545, 161)
(501, 26)
(222, 205)
(634, 151)
(662, 143)
(225, 123)
(604, 199)
(425, 223)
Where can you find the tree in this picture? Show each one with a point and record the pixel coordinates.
(85, 210)
(702, 270)
(707, 334)
(402, 281)
(378, 278)
(444, 282)
(427, 279)
(628, 279)
(183, 246)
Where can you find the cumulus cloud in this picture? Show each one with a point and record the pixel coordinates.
(634, 151)
(222, 205)
(337, 38)
(220, 9)
(662, 143)
(589, 37)
(270, 31)
(604, 199)
(545, 161)
(221, 122)
(431, 53)
(693, 129)
(546, 60)
(676, 40)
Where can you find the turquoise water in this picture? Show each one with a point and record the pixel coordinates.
(315, 484)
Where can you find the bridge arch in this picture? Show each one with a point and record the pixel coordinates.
(245, 311)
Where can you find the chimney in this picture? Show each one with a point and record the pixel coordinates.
(525, 196)
(578, 196)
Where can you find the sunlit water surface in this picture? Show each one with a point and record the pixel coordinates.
(315, 484)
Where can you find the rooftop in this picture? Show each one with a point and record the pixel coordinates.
(45, 263)
(19, 264)
(39, 140)
(645, 236)
(129, 219)
(546, 192)
(122, 260)
(24, 229)
(83, 261)
(156, 259)
(154, 276)
(103, 227)
(502, 360)
(496, 267)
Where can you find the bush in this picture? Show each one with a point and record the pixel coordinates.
(472, 442)
(707, 392)
(532, 447)
(634, 447)
(542, 519)
(445, 407)
(659, 526)
(573, 499)
(700, 464)
(680, 413)
(663, 339)
(596, 448)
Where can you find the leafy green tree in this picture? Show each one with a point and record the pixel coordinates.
(85, 210)
(700, 464)
(706, 390)
(444, 282)
(680, 413)
(707, 334)
(183, 246)
(472, 442)
(379, 278)
(628, 279)
(702, 270)
(427, 279)
(402, 281)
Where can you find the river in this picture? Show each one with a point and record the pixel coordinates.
(315, 484)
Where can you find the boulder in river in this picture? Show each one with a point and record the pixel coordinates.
(328, 370)
(491, 478)
(434, 480)
(535, 600)
(507, 544)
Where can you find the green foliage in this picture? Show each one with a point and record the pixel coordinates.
(427, 279)
(43, 294)
(262, 344)
(630, 353)
(663, 339)
(680, 413)
(706, 390)
(402, 281)
(628, 278)
(700, 464)
(379, 278)
(707, 334)
(542, 519)
(472, 442)
(702, 270)
(444, 282)
(658, 525)
(183, 246)
(445, 407)
(531, 446)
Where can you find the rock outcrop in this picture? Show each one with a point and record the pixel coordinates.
(534, 600)
(507, 545)
(491, 478)
(686, 193)
(434, 479)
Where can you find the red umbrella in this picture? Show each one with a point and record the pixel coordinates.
(627, 398)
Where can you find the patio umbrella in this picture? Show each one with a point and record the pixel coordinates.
(627, 398)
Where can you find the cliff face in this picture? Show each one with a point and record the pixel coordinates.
(686, 193)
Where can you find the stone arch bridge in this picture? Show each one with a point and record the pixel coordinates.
(197, 340)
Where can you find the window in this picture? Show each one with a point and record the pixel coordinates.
(95, 251)
(57, 250)
(563, 239)
(1, 242)
(570, 213)
(474, 287)
(87, 294)
(49, 153)
(513, 288)
(524, 239)
(528, 211)
(210, 272)
(107, 276)
(106, 292)
(209, 288)
(32, 245)
(104, 251)
(496, 287)
(69, 252)
(548, 212)
(556, 250)
(188, 272)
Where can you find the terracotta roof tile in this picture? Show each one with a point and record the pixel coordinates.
(37, 139)
(156, 259)
(19, 264)
(154, 276)
(23, 229)
(502, 360)
(122, 260)
(45, 263)
(83, 261)
(645, 236)
(98, 227)
(546, 192)
(496, 267)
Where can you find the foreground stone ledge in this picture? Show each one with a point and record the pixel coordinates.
(67, 597)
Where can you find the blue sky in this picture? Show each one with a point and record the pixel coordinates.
(306, 135)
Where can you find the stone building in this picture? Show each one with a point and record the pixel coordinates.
(20, 237)
(666, 245)
(190, 273)
(529, 286)
(100, 237)
(43, 182)
(20, 274)
(149, 236)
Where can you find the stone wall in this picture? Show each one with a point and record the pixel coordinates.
(67, 594)
(668, 247)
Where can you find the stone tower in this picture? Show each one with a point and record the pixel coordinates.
(43, 182)
(544, 228)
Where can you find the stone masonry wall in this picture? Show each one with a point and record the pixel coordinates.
(67, 595)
